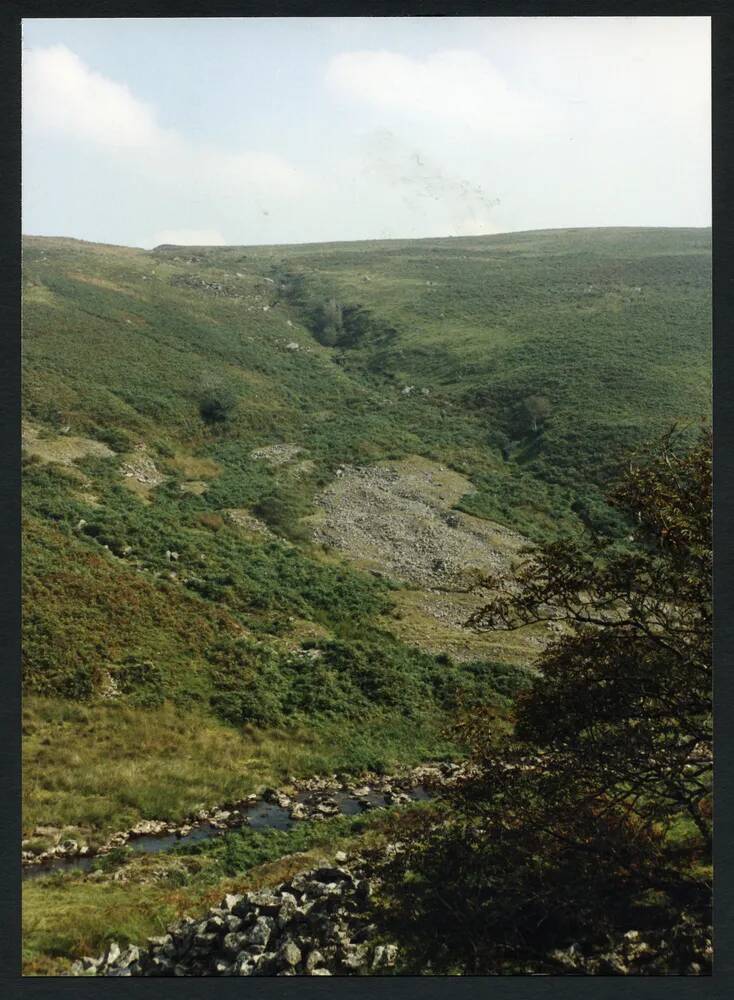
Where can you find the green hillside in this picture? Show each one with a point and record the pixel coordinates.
(187, 409)
(610, 327)
(259, 482)
(530, 363)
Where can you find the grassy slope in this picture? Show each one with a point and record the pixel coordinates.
(119, 351)
(612, 326)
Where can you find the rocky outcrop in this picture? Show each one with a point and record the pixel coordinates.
(199, 284)
(243, 518)
(315, 924)
(142, 469)
(277, 454)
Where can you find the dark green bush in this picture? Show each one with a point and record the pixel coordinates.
(351, 679)
(117, 438)
(216, 405)
(142, 681)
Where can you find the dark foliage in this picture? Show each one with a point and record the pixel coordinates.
(216, 405)
(594, 818)
(142, 680)
(351, 679)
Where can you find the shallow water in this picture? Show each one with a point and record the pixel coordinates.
(268, 816)
(259, 816)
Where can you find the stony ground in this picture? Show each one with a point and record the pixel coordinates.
(311, 925)
(398, 518)
(318, 923)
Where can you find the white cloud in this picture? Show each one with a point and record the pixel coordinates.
(62, 95)
(510, 123)
(189, 238)
(459, 86)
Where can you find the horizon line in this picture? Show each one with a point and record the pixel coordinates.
(375, 239)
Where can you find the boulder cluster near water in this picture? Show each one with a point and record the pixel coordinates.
(313, 799)
(312, 925)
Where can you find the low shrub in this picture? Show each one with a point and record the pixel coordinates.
(216, 405)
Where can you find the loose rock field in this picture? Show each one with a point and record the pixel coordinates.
(312, 925)
(398, 518)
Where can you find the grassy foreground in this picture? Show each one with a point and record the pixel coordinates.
(96, 769)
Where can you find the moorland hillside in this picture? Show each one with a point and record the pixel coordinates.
(261, 482)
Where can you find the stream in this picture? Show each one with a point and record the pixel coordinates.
(259, 816)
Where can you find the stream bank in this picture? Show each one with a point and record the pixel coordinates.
(313, 799)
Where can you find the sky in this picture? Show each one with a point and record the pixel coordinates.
(143, 131)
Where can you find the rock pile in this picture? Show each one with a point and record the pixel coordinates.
(318, 924)
(143, 470)
(244, 519)
(277, 454)
(399, 520)
(188, 259)
(685, 949)
(312, 925)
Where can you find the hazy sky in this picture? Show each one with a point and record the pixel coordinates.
(270, 130)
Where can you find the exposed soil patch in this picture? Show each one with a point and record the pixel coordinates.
(34, 291)
(93, 279)
(194, 467)
(63, 449)
(195, 486)
(91, 499)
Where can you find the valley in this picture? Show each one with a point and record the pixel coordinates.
(264, 490)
